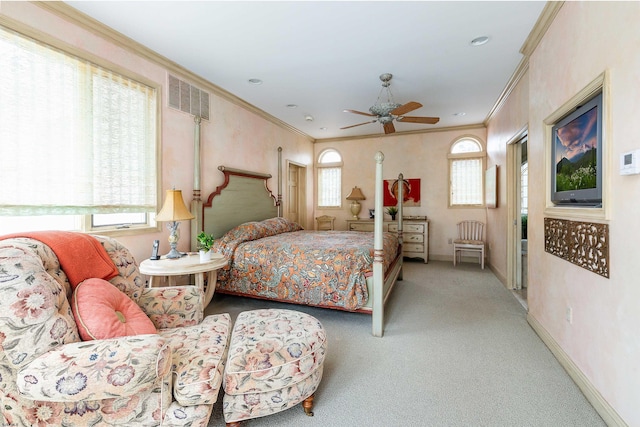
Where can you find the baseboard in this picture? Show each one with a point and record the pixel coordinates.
(606, 411)
(501, 277)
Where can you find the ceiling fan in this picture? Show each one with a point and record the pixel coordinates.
(387, 112)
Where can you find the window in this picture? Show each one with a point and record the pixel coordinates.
(466, 178)
(329, 179)
(78, 140)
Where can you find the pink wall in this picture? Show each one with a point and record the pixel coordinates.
(234, 137)
(421, 156)
(507, 123)
(585, 39)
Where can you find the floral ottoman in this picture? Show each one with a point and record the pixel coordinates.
(275, 362)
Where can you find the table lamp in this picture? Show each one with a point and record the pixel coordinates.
(354, 196)
(173, 211)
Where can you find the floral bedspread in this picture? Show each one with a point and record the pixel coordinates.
(276, 259)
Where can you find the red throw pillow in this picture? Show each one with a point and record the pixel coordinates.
(102, 311)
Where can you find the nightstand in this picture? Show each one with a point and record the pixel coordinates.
(188, 264)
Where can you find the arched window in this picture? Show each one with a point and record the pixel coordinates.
(329, 168)
(466, 179)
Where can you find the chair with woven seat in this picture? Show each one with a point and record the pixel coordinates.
(470, 239)
(325, 222)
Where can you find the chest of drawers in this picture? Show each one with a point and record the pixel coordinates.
(415, 235)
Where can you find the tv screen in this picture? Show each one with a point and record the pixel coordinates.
(577, 156)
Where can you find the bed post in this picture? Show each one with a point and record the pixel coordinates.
(378, 256)
(279, 199)
(196, 202)
(400, 214)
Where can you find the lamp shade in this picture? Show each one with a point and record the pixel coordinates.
(174, 208)
(356, 194)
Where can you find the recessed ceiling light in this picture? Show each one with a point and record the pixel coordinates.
(308, 118)
(323, 128)
(255, 81)
(459, 114)
(479, 41)
(292, 106)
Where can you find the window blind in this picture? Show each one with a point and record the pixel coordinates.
(329, 182)
(75, 138)
(466, 182)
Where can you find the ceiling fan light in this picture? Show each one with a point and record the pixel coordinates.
(384, 108)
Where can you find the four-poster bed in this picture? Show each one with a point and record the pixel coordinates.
(273, 258)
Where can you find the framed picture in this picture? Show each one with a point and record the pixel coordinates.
(411, 193)
(491, 187)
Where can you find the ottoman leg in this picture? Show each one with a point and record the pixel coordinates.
(307, 405)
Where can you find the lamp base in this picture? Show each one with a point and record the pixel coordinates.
(355, 209)
(174, 236)
(173, 254)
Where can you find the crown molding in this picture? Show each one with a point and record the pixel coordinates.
(543, 23)
(538, 31)
(96, 27)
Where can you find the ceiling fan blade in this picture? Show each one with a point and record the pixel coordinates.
(359, 112)
(403, 109)
(426, 120)
(360, 124)
(389, 128)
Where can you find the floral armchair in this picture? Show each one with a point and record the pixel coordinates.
(49, 376)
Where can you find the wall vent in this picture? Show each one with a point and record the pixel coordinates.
(188, 98)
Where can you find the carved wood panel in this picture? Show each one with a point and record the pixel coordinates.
(585, 244)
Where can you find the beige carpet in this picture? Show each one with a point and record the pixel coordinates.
(457, 351)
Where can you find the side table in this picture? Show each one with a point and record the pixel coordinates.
(188, 264)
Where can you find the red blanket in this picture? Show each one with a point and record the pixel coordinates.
(81, 256)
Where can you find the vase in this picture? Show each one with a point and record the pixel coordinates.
(205, 256)
(393, 217)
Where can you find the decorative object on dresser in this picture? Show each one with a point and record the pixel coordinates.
(392, 211)
(172, 211)
(415, 234)
(355, 196)
(470, 239)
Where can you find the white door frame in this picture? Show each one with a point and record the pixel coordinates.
(514, 220)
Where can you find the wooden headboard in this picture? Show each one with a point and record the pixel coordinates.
(244, 196)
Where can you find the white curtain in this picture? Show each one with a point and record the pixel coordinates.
(74, 138)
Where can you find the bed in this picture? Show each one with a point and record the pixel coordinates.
(273, 258)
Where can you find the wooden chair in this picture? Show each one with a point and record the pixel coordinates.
(325, 222)
(470, 239)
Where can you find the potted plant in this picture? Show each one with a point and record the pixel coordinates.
(205, 243)
(393, 211)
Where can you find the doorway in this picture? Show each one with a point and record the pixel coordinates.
(517, 208)
(295, 206)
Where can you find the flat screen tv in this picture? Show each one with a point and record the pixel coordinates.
(576, 175)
